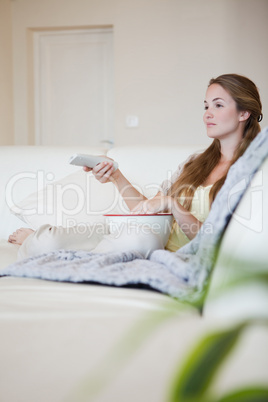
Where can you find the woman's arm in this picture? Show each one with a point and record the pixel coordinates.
(187, 222)
(104, 173)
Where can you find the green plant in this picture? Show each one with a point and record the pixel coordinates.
(192, 382)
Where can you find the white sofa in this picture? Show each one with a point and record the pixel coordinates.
(56, 335)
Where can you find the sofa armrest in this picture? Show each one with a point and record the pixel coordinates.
(236, 287)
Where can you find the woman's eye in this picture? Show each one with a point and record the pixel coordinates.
(218, 105)
(206, 107)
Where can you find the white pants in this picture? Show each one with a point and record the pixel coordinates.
(50, 238)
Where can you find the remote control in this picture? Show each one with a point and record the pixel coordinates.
(89, 160)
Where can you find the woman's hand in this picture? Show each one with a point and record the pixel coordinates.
(103, 172)
(155, 205)
(187, 222)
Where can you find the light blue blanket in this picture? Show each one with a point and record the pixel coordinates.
(184, 274)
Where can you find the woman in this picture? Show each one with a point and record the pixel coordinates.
(232, 114)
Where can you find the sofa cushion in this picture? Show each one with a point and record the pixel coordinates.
(8, 253)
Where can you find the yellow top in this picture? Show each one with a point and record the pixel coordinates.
(200, 209)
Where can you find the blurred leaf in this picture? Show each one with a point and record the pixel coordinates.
(195, 376)
(241, 280)
(256, 394)
(241, 273)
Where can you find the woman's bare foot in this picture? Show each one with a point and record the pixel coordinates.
(20, 235)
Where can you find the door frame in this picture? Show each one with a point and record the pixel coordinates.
(32, 36)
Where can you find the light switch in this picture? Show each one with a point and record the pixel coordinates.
(132, 121)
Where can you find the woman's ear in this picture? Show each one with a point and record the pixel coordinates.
(244, 115)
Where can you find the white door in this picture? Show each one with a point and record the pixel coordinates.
(73, 87)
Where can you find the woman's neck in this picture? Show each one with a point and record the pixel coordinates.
(228, 149)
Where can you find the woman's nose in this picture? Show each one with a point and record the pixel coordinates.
(208, 114)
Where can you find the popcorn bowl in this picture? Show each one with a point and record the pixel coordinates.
(144, 223)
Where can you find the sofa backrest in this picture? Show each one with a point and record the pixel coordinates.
(147, 167)
(72, 196)
(27, 169)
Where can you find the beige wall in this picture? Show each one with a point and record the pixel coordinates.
(165, 52)
(6, 96)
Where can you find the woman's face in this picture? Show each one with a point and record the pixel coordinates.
(221, 116)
